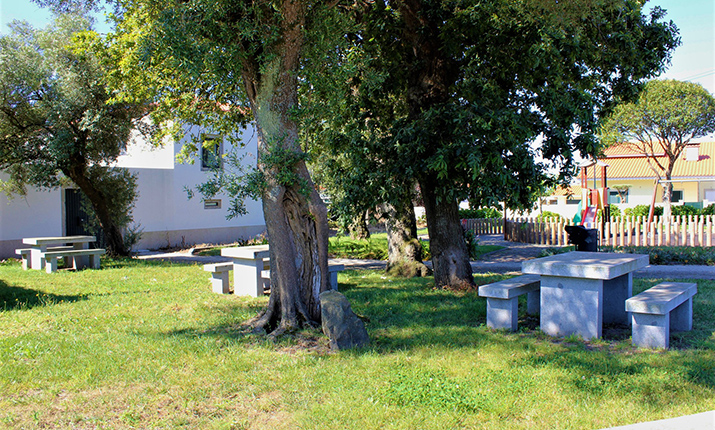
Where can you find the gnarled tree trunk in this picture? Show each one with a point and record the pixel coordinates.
(405, 251)
(295, 215)
(112, 233)
(450, 257)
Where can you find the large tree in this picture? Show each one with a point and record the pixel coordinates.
(474, 84)
(240, 64)
(667, 115)
(57, 120)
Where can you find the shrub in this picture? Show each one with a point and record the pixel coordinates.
(708, 210)
(479, 213)
(642, 210)
(546, 215)
(686, 210)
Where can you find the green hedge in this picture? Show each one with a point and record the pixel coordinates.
(479, 213)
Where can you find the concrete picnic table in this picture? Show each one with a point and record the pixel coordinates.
(580, 291)
(39, 245)
(248, 263)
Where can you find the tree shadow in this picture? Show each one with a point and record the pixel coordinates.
(13, 297)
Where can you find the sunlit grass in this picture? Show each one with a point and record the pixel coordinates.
(147, 345)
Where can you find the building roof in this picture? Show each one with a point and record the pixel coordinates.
(625, 163)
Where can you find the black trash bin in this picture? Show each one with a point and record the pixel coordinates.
(585, 239)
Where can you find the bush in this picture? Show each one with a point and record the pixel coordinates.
(480, 213)
(686, 210)
(544, 216)
(708, 210)
(642, 210)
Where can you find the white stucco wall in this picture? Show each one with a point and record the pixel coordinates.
(163, 210)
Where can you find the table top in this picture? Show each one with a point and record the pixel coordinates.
(246, 252)
(588, 265)
(56, 240)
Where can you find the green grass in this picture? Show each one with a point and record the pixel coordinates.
(374, 248)
(147, 345)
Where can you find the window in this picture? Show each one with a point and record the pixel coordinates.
(573, 201)
(210, 153)
(677, 196)
(617, 197)
(212, 204)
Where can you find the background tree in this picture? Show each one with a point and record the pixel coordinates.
(666, 117)
(57, 121)
(474, 84)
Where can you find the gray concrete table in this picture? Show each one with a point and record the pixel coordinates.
(39, 245)
(582, 290)
(247, 266)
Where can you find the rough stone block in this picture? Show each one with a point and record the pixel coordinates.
(344, 329)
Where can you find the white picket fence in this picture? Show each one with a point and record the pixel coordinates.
(682, 230)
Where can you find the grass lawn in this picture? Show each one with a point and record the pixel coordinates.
(147, 345)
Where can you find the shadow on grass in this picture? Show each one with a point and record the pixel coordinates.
(12, 298)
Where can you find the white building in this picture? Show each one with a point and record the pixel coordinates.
(162, 209)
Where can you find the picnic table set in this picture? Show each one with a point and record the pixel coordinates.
(42, 253)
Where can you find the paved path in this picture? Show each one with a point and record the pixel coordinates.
(507, 260)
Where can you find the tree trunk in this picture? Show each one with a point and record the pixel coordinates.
(112, 233)
(405, 250)
(450, 257)
(358, 227)
(295, 215)
(667, 198)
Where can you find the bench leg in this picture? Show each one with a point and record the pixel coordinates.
(219, 282)
(681, 318)
(51, 264)
(502, 313)
(334, 281)
(533, 302)
(94, 261)
(650, 330)
(25, 261)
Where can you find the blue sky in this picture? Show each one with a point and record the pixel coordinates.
(693, 61)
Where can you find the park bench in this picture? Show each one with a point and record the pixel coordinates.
(51, 257)
(503, 300)
(660, 309)
(24, 254)
(220, 271)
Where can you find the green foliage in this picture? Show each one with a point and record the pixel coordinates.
(708, 210)
(58, 120)
(686, 210)
(546, 215)
(615, 211)
(481, 213)
(643, 210)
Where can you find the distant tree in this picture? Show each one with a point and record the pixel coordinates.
(666, 117)
(58, 122)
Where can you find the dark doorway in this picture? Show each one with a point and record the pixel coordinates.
(76, 218)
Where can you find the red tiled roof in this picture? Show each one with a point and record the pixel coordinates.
(624, 163)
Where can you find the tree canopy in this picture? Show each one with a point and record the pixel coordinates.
(478, 100)
(667, 115)
(58, 123)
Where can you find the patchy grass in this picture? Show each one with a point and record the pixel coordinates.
(147, 345)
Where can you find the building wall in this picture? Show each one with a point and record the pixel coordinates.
(162, 210)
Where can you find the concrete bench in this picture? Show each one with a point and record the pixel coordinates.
(503, 300)
(24, 254)
(52, 256)
(333, 270)
(220, 271)
(660, 309)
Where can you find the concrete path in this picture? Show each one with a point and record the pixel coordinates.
(703, 421)
(507, 260)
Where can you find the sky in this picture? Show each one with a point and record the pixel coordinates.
(693, 61)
